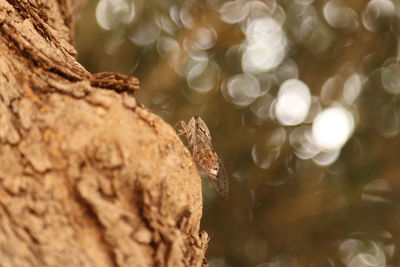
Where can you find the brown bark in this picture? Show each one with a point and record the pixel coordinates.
(88, 176)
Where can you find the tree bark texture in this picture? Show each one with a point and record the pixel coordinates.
(88, 176)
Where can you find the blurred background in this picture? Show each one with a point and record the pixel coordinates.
(301, 98)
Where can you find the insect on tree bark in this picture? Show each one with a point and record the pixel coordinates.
(200, 144)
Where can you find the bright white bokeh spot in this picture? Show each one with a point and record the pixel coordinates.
(167, 45)
(243, 89)
(204, 38)
(110, 13)
(145, 34)
(265, 46)
(376, 10)
(332, 128)
(203, 79)
(262, 8)
(293, 102)
(339, 16)
(234, 11)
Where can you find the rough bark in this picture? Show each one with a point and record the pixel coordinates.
(88, 176)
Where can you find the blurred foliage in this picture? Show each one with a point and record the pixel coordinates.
(301, 98)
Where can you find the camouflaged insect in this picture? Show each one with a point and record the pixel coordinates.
(199, 142)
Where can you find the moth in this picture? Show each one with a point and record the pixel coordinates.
(200, 144)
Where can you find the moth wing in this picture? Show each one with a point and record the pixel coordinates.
(181, 127)
(220, 182)
(203, 126)
(202, 132)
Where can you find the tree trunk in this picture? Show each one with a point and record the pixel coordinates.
(88, 176)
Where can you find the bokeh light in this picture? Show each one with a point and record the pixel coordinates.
(391, 78)
(242, 89)
(265, 45)
(302, 100)
(375, 13)
(339, 16)
(332, 128)
(110, 13)
(293, 102)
